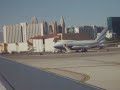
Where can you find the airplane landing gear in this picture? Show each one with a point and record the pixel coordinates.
(84, 50)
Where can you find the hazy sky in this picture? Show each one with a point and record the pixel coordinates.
(75, 12)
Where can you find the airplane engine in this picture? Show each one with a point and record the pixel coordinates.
(101, 46)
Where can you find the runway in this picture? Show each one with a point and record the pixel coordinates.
(17, 76)
(98, 68)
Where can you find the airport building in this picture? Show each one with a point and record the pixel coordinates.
(18, 35)
(113, 24)
(41, 36)
(46, 43)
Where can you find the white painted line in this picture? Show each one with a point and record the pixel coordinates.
(2, 87)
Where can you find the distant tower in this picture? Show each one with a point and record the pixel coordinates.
(50, 29)
(62, 23)
(59, 29)
(54, 27)
(34, 20)
(45, 28)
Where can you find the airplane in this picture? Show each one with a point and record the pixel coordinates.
(83, 45)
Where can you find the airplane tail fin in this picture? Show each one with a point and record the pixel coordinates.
(101, 37)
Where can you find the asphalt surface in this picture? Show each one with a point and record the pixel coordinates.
(16, 76)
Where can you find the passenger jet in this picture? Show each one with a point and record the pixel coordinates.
(83, 45)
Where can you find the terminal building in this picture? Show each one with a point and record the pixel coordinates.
(41, 36)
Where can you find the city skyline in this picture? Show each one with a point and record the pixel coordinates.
(75, 12)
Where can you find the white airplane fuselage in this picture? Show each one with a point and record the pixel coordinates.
(76, 45)
(81, 44)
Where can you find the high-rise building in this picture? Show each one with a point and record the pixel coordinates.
(54, 27)
(50, 29)
(12, 33)
(62, 23)
(90, 30)
(23, 27)
(113, 24)
(59, 29)
(22, 32)
(45, 28)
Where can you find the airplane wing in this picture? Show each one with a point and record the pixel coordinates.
(21, 77)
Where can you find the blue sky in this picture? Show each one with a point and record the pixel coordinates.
(75, 12)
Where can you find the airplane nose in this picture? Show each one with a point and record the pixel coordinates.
(54, 46)
(57, 45)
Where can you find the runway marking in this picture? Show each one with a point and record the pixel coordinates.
(87, 66)
(2, 87)
(5, 79)
(62, 72)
